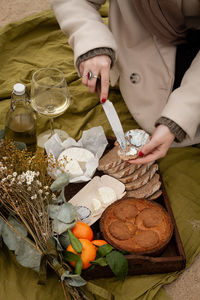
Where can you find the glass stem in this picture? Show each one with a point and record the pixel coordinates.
(51, 123)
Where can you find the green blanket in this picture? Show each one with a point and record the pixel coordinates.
(37, 42)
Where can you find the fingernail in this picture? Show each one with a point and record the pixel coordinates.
(141, 154)
(103, 100)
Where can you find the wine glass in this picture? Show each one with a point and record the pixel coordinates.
(49, 97)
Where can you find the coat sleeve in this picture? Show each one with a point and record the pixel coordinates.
(82, 23)
(183, 106)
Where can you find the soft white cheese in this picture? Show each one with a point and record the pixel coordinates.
(96, 205)
(72, 167)
(106, 195)
(81, 155)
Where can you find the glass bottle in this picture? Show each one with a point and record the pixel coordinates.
(20, 119)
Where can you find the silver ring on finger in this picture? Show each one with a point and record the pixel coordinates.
(90, 75)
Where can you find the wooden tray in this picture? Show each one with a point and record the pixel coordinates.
(172, 258)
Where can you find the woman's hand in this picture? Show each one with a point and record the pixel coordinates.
(157, 147)
(99, 66)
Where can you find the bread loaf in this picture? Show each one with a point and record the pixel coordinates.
(137, 226)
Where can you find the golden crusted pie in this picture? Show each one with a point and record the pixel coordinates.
(136, 225)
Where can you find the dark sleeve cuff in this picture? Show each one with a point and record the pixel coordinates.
(179, 133)
(96, 52)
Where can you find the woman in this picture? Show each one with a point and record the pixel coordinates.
(139, 49)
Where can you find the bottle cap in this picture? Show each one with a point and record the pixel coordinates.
(19, 89)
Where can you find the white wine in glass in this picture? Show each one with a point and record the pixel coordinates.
(49, 97)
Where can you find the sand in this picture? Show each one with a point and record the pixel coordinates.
(187, 286)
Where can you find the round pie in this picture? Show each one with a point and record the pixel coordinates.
(135, 225)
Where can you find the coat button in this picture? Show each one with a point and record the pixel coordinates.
(134, 78)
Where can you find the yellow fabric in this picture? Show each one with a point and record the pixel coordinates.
(38, 42)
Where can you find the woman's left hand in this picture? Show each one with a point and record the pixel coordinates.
(157, 147)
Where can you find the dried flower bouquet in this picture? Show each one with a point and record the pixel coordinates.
(26, 201)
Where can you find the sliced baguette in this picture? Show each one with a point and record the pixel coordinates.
(146, 190)
(110, 160)
(141, 179)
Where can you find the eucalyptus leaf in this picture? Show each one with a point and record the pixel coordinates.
(56, 243)
(1, 225)
(67, 213)
(77, 281)
(73, 279)
(118, 264)
(28, 256)
(60, 199)
(61, 181)
(64, 239)
(53, 210)
(10, 237)
(64, 275)
(64, 217)
(60, 227)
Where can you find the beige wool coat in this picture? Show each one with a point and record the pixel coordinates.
(144, 65)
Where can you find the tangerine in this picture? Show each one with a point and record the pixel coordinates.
(88, 253)
(82, 231)
(99, 243)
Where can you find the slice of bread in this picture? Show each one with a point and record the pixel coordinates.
(155, 195)
(141, 179)
(138, 172)
(146, 190)
(126, 171)
(118, 168)
(110, 160)
(123, 154)
(135, 139)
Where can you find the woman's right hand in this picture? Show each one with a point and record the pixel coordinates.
(99, 66)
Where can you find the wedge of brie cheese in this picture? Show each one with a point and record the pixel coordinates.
(73, 168)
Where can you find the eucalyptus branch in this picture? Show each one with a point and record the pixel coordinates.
(18, 233)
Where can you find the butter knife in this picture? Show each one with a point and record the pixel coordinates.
(113, 118)
(115, 123)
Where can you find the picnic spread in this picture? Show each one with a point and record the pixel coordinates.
(37, 42)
